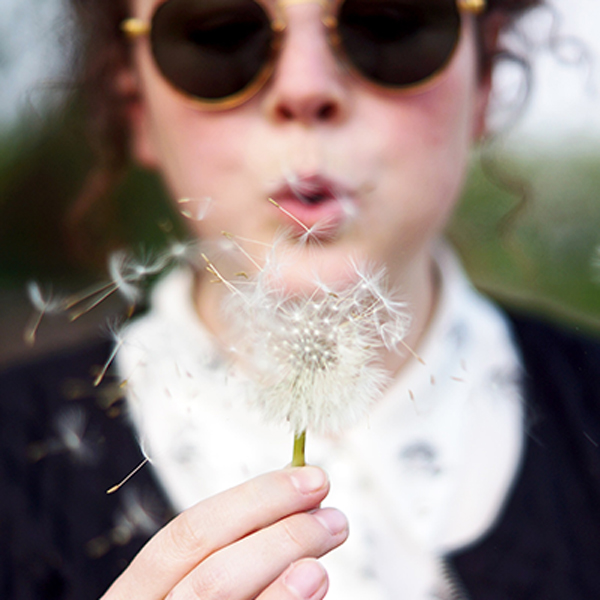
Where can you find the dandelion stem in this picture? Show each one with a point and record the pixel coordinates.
(298, 458)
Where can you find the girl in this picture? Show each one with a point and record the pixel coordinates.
(347, 125)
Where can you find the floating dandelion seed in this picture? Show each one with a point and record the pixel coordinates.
(127, 272)
(314, 234)
(195, 209)
(107, 396)
(113, 329)
(134, 517)
(121, 483)
(179, 252)
(237, 246)
(146, 460)
(290, 215)
(43, 305)
(71, 427)
(349, 208)
(70, 437)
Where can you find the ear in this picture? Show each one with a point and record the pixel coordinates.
(141, 143)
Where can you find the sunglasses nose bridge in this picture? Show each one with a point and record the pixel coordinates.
(305, 84)
(284, 4)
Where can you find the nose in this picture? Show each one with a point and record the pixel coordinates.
(308, 85)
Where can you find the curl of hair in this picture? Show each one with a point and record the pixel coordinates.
(102, 56)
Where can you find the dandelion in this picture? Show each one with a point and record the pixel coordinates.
(43, 305)
(315, 357)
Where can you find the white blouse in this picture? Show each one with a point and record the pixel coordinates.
(427, 472)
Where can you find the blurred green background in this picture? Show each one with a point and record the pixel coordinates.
(528, 226)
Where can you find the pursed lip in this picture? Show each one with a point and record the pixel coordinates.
(314, 202)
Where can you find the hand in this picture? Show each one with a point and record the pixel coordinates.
(256, 541)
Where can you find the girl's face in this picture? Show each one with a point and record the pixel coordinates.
(374, 173)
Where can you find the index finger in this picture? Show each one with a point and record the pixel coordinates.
(215, 523)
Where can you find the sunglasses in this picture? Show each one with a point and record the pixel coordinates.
(221, 52)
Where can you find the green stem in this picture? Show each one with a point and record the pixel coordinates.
(298, 459)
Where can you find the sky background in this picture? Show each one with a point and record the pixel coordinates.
(563, 110)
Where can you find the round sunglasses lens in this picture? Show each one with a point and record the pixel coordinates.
(211, 49)
(398, 43)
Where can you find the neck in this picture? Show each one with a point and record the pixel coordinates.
(421, 285)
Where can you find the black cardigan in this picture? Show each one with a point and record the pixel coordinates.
(62, 537)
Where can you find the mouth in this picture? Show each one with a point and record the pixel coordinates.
(314, 207)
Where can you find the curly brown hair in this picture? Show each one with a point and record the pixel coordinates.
(105, 53)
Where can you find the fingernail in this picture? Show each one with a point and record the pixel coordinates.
(309, 479)
(305, 579)
(333, 520)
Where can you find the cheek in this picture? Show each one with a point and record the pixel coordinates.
(437, 124)
(194, 151)
(427, 149)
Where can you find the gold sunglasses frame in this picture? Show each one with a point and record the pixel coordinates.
(135, 28)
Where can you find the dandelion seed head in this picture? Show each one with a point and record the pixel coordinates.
(315, 357)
